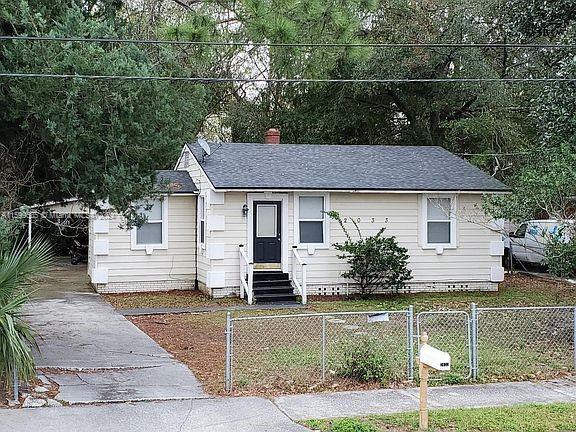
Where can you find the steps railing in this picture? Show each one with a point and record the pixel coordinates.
(299, 284)
(246, 276)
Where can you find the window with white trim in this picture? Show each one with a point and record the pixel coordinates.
(201, 219)
(311, 219)
(153, 231)
(439, 224)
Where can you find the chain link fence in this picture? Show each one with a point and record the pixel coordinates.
(525, 342)
(301, 351)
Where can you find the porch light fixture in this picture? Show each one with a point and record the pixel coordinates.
(245, 210)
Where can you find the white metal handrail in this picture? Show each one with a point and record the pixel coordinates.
(246, 276)
(299, 284)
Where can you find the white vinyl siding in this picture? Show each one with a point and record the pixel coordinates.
(177, 262)
(399, 213)
(203, 184)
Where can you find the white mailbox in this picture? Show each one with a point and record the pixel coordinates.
(434, 358)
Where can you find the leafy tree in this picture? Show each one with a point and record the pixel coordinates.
(544, 185)
(100, 140)
(375, 262)
(560, 253)
(18, 268)
(466, 118)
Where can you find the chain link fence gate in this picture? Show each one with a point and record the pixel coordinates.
(304, 350)
(449, 331)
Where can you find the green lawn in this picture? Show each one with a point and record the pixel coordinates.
(522, 418)
(517, 290)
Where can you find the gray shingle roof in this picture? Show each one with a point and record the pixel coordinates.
(340, 167)
(177, 181)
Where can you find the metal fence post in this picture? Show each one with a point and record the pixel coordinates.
(228, 372)
(323, 360)
(16, 384)
(474, 341)
(410, 341)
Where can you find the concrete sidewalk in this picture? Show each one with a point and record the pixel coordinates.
(391, 401)
(249, 414)
(255, 414)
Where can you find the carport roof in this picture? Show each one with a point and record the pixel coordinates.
(175, 181)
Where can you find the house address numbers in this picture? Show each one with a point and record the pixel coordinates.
(359, 220)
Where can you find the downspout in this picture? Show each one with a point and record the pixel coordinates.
(196, 243)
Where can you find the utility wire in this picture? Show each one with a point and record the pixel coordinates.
(278, 44)
(207, 80)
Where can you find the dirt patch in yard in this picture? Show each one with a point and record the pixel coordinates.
(176, 299)
(198, 340)
(271, 355)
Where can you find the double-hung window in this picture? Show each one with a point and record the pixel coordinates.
(201, 220)
(311, 221)
(439, 224)
(153, 231)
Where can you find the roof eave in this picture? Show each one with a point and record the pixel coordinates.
(361, 190)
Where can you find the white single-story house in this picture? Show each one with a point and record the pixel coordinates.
(250, 219)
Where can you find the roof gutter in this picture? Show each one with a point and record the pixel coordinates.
(368, 191)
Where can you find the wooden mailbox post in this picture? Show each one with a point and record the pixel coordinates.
(428, 358)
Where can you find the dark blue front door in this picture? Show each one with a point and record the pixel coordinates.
(267, 224)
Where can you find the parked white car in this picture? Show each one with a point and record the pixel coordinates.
(527, 244)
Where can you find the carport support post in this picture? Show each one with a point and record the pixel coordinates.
(474, 341)
(29, 230)
(228, 372)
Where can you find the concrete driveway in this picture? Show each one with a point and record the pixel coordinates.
(94, 353)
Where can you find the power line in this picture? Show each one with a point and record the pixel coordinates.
(207, 80)
(287, 45)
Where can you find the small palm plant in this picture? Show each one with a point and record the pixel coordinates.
(19, 265)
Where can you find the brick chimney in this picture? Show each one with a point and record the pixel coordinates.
(272, 136)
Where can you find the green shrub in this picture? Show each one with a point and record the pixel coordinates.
(452, 378)
(366, 359)
(19, 266)
(351, 425)
(374, 261)
(560, 255)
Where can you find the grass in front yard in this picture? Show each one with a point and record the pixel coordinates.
(517, 290)
(521, 418)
